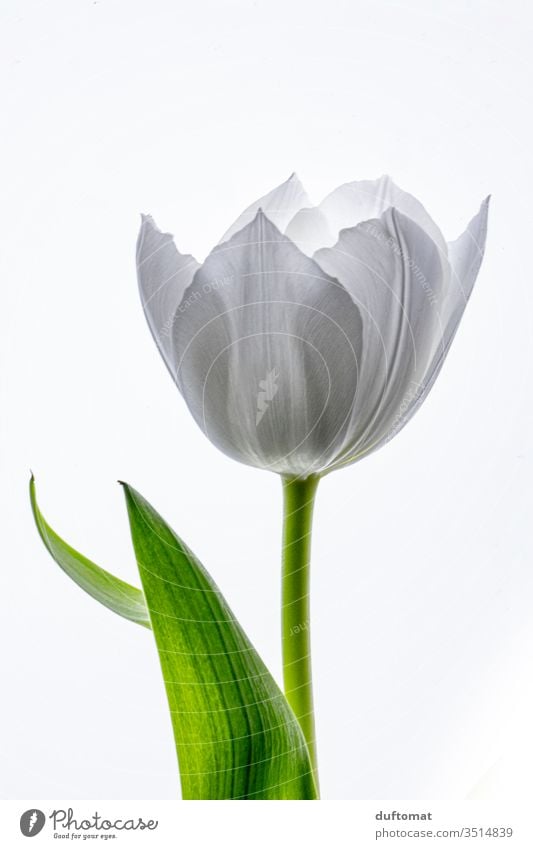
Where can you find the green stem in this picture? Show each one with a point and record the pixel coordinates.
(299, 497)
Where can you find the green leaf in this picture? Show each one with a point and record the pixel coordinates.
(236, 736)
(115, 594)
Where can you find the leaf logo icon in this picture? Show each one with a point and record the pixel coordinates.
(267, 390)
(32, 822)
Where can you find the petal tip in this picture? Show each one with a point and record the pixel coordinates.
(258, 217)
(148, 224)
(262, 218)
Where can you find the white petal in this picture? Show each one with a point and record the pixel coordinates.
(280, 205)
(163, 275)
(309, 229)
(466, 254)
(398, 278)
(269, 352)
(361, 200)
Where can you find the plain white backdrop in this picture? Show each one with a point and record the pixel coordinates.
(422, 562)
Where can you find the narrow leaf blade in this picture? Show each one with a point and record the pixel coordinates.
(112, 592)
(236, 736)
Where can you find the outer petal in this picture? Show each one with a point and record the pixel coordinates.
(163, 275)
(398, 278)
(269, 352)
(352, 203)
(466, 254)
(280, 205)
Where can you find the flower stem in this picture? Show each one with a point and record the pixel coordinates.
(299, 497)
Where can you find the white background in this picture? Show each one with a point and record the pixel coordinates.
(422, 579)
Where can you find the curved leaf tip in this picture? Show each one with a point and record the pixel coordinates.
(112, 592)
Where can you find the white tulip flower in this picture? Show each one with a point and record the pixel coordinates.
(306, 340)
(310, 335)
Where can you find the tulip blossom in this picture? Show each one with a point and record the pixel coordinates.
(307, 339)
(310, 335)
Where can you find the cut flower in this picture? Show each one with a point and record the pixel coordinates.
(309, 336)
